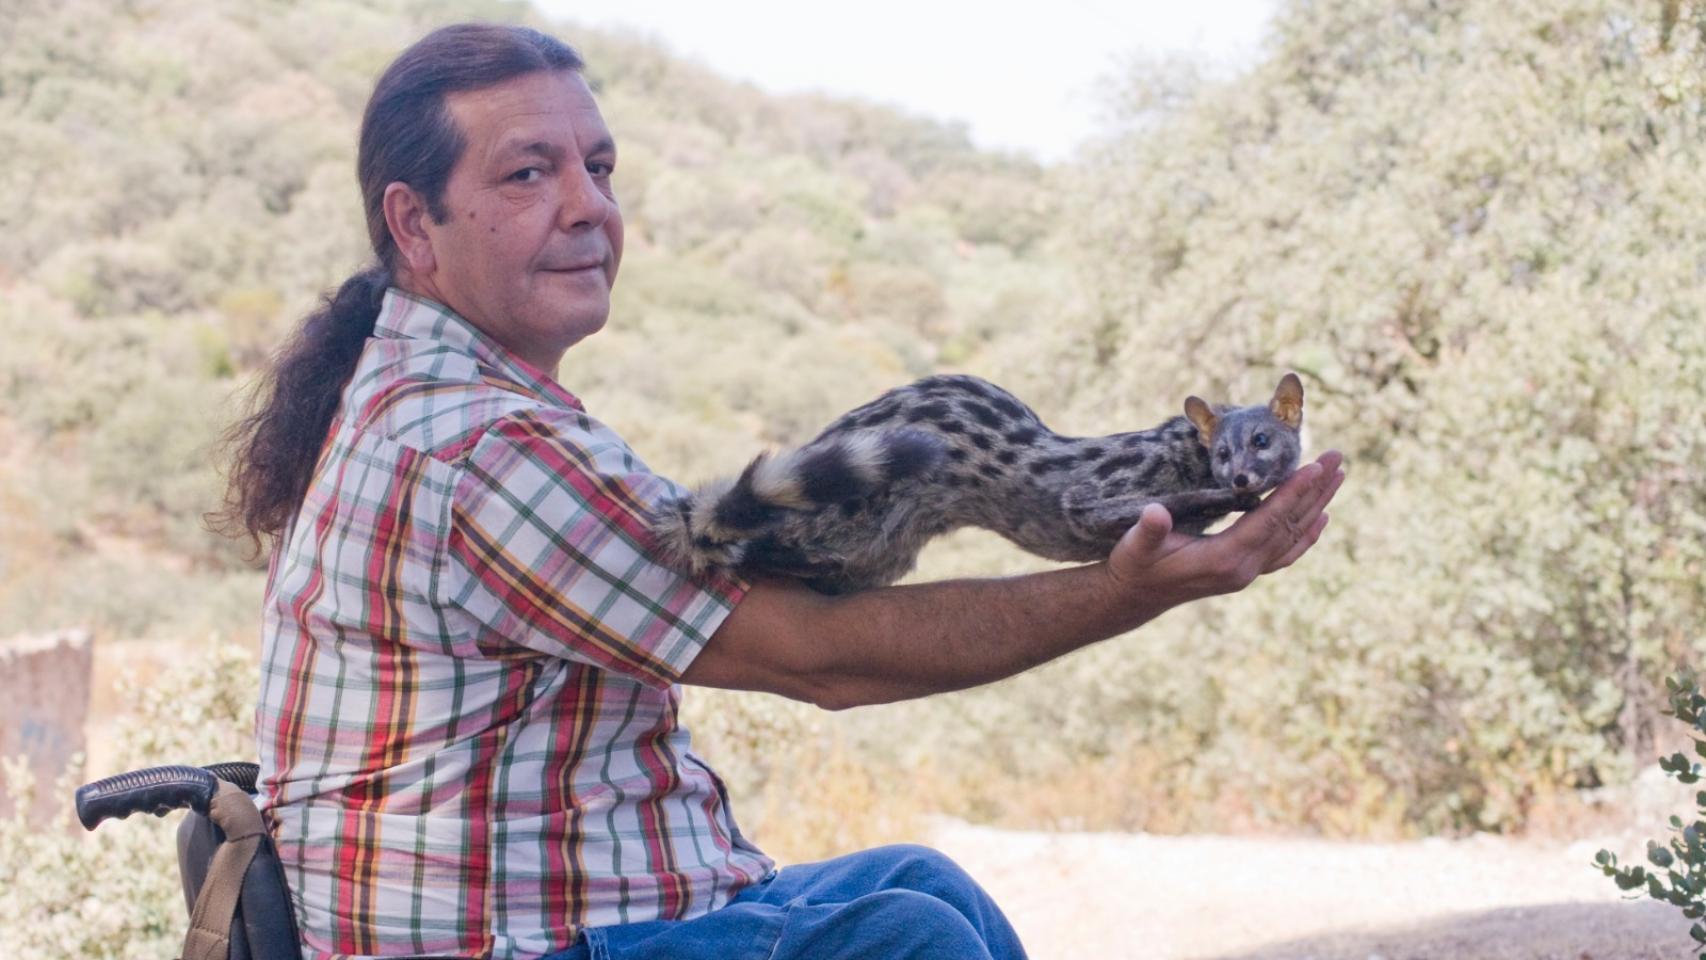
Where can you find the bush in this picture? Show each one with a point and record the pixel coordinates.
(1472, 227)
(1682, 860)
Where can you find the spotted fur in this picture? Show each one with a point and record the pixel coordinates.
(852, 508)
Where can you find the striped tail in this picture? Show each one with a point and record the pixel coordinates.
(713, 525)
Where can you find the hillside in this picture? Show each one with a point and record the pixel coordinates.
(183, 175)
(1474, 227)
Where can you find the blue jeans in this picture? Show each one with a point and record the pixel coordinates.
(892, 903)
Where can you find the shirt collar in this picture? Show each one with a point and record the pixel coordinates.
(405, 316)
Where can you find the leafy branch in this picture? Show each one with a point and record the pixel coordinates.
(1682, 882)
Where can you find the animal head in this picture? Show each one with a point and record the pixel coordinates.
(1252, 449)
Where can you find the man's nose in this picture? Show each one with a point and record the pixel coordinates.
(584, 204)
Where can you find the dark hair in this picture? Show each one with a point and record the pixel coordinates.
(407, 135)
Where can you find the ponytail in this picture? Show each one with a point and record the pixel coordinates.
(279, 442)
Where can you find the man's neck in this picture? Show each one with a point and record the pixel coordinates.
(546, 363)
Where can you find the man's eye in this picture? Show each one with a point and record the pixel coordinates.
(523, 175)
(601, 169)
(1259, 441)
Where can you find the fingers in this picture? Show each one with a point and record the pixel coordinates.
(1302, 546)
(1332, 465)
(1299, 523)
(1143, 544)
(1309, 490)
(1151, 529)
(1305, 493)
(1145, 539)
(1303, 517)
(1289, 522)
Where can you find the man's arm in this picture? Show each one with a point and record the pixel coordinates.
(896, 643)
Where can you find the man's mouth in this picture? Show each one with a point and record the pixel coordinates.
(576, 268)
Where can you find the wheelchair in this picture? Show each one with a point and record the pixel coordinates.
(233, 883)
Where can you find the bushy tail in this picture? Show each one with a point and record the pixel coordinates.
(712, 526)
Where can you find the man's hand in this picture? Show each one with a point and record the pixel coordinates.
(1151, 557)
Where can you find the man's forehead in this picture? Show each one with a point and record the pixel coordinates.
(550, 107)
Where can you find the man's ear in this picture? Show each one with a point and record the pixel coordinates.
(1199, 414)
(406, 216)
(1287, 404)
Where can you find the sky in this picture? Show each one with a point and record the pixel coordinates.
(1020, 76)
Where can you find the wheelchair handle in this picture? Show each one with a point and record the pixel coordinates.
(158, 790)
(242, 775)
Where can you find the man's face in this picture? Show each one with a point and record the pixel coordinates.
(532, 236)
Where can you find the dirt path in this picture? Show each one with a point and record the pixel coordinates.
(1226, 898)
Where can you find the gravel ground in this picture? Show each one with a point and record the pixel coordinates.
(1239, 898)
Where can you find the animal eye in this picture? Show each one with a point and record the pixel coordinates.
(1225, 454)
(1259, 441)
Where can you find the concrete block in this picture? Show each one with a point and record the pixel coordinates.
(44, 703)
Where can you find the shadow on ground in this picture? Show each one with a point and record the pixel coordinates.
(1564, 931)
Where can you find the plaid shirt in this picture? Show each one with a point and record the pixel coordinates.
(467, 719)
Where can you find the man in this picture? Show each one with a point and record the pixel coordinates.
(471, 673)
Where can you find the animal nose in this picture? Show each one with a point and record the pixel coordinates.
(1241, 481)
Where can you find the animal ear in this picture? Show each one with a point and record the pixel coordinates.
(1287, 405)
(1199, 414)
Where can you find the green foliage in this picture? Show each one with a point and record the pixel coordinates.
(179, 183)
(1683, 860)
(1474, 228)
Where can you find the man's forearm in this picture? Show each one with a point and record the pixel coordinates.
(910, 641)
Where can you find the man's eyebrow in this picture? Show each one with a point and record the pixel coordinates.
(551, 151)
(540, 147)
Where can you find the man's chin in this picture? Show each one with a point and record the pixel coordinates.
(578, 324)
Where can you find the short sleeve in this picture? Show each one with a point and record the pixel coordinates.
(549, 547)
